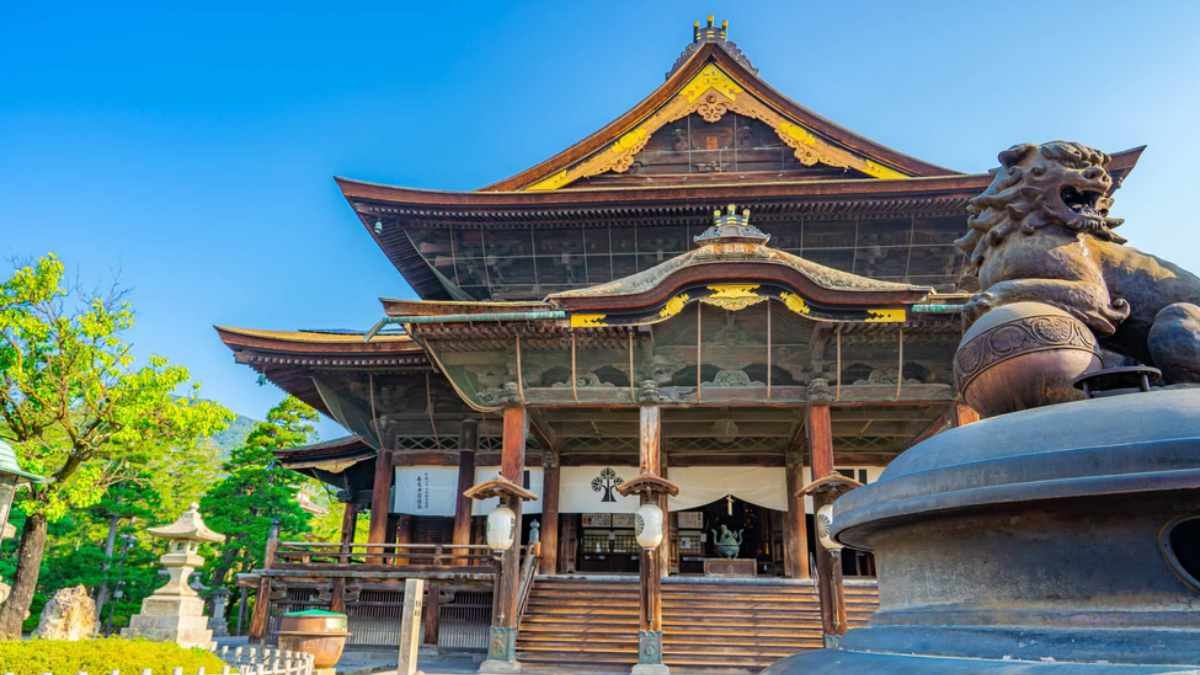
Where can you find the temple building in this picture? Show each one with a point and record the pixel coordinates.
(721, 304)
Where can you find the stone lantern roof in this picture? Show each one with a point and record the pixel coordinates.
(9, 466)
(189, 527)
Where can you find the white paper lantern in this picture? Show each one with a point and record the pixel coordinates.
(649, 525)
(825, 528)
(501, 528)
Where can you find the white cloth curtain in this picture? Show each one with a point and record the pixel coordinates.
(432, 490)
(578, 494)
(764, 486)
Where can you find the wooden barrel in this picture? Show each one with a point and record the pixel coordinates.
(315, 631)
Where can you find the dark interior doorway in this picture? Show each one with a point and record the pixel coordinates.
(696, 531)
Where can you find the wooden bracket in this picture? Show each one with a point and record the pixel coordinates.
(499, 487)
(648, 484)
(834, 485)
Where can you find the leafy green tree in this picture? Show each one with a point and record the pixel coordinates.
(78, 409)
(258, 491)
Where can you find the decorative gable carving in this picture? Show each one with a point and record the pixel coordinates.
(712, 94)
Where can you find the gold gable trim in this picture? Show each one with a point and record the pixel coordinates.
(733, 297)
(712, 94)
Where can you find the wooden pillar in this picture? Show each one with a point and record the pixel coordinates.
(432, 610)
(664, 549)
(403, 535)
(550, 483)
(468, 443)
(349, 525)
(381, 492)
(962, 414)
(337, 602)
(502, 645)
(820, 445)
(652, 561)
(262, 601)
(795, 525)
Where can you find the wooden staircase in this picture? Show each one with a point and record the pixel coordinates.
(707, 624)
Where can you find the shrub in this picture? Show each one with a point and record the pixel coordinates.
(102, 656)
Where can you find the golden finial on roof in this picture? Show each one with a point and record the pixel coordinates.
(731, 226)
(710, 32)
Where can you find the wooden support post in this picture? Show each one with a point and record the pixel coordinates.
(404, 531)
(381, 492)
(337, 602)
(430, 615)
(468, 443)
(650, 620)
(410, 626)
(652, 561)
(819, 429)
(502, 644)
(349, 526)
(795, 525)
(243, 599)
(262, 601)
(664, 549)
(550, 482)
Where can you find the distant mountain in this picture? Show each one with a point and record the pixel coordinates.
(234, 436)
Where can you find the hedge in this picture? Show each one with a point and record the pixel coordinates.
(102, 656)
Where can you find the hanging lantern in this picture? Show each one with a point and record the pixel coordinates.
(501, 529)
(649, 523)
(825, 528)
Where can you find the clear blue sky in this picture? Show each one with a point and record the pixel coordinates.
(192, 150)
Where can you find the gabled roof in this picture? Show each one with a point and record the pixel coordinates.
(714, 79)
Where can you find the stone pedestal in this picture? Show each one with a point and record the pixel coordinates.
(172, 618)
(730, 567)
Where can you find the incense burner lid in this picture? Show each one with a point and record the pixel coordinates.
(1135, 443)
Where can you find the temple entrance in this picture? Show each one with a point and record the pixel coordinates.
(711, 533)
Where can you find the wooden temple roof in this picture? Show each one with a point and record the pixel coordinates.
(637, 179)
(288, 358)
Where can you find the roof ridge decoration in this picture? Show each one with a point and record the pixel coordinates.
(712, 93)
(732, 227)
(715, 35)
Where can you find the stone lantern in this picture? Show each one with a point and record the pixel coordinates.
(11, 478)
(175, 612)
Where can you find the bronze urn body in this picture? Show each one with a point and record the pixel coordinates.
(1062, 539)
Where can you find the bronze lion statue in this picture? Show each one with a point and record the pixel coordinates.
(1041, 231)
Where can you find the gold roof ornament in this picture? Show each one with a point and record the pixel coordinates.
(732, 226)
(189, 527)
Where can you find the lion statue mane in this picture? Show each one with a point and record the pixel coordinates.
(1041, 231)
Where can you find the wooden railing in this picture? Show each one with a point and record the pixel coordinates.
(529, 567)
(409, 557)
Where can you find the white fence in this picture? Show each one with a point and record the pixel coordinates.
(239, 661)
